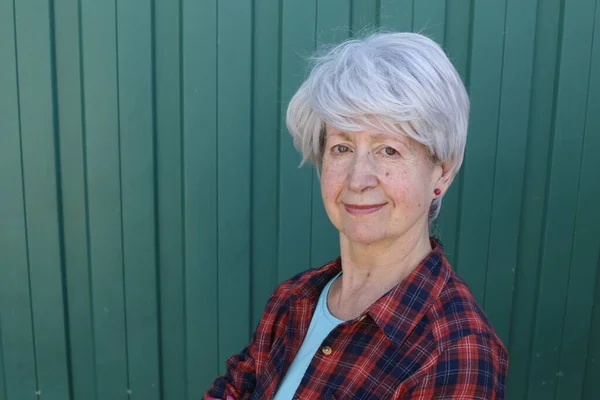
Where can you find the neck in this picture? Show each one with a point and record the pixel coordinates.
(369, 271)
(394, 257)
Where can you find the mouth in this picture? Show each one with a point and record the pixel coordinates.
(362, 209)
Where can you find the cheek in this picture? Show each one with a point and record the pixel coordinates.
(408, 191)
(332, 181)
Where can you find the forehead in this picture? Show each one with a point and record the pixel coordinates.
(369, 133)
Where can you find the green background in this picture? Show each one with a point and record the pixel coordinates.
(150, 198)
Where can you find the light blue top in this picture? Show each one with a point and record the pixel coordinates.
(321, 324)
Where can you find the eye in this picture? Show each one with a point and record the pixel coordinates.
(340, 149)
(390, 151)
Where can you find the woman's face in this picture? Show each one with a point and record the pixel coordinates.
(377, 186)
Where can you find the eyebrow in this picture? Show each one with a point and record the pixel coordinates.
(383, 136)
(343, 134)
(374, 136)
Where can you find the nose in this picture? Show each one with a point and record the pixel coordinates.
(362, 175)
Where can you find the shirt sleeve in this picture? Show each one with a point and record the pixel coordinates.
(240, 377)
(473, 367)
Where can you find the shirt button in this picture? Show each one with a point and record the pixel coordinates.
(326, 350)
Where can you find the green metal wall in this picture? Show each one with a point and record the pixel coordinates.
(150, 199)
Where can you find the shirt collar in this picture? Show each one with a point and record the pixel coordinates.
(399, 310)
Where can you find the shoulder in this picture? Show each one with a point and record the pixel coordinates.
(306, 283)
(456, 315)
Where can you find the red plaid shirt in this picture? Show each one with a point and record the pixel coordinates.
(425, 339)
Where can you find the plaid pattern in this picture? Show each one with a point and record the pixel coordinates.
(424, 339)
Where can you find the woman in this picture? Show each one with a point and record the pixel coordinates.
(384, 119)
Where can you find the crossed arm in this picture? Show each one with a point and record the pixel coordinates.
(472, 368)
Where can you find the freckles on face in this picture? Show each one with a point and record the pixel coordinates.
(332, 182)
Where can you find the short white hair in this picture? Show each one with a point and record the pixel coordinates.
(398, 82)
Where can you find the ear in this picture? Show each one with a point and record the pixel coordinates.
(445, 178)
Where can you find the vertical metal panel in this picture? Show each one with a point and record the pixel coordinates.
(17, 327)
(199, 54)
(234, 176)
(74, 200)
(136, 147)
(562, 188)
(534, 196)
(397, 14)
(485, 81)
(295, 185)
(266, 81)
(591, 390)
(175, 205)
(582, 363)
(103, 174)
(3, 388)
(509, 170)
(575, 343)
(35, 65)
(169, 196)
(363, 15)
(429, 18)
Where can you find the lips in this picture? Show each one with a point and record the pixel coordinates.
(361, 209)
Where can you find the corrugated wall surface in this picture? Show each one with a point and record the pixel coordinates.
(150, 198)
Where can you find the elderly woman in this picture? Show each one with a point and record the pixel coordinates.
(384, 119)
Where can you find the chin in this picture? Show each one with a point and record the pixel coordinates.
(364, 236)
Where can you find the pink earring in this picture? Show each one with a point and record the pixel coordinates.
(437, 191)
